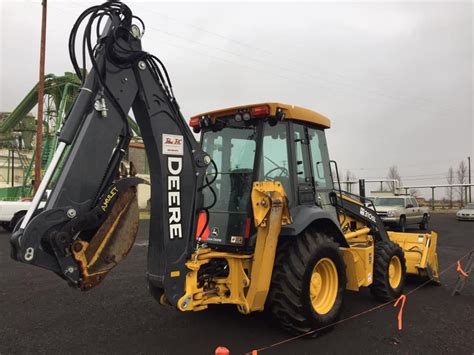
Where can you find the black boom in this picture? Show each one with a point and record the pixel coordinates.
(92, 144)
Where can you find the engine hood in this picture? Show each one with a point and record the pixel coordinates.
(388, 208)
(469, 211)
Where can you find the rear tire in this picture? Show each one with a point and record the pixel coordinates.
(307, 284)
(389, 271)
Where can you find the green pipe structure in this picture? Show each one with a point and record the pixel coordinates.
(52, 85)
(63, 91)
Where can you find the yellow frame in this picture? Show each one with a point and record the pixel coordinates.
(248, 281)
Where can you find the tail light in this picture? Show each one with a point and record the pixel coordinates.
(194, 121)
(260, 111)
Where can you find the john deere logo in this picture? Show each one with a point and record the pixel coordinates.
(214, 232)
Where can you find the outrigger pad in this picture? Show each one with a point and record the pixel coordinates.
(111, 243)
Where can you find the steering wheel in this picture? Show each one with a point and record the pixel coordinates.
(283, 173)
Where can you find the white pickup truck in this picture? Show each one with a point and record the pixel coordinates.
(12, 211)
(401, 211)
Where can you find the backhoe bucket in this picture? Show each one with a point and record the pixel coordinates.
(420, 253)
(111, 243)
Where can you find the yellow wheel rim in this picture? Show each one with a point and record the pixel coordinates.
(324, 286)
(394, 272)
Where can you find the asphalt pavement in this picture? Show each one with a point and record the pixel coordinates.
(39, 313)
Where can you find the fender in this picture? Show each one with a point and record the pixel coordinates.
(305, 215)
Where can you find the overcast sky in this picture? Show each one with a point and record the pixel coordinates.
(395, 78)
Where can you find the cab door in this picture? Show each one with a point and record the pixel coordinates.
(320, 168)
(303, 176)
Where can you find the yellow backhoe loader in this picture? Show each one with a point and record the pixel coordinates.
(249, 216)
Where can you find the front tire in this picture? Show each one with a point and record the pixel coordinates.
(308, 283)
(388, 271)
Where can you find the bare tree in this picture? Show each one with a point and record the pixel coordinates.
(415, 193)
(393, 174)
(461, 178)
(450, 190)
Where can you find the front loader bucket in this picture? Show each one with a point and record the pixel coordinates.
(111, 242)
(420, 253)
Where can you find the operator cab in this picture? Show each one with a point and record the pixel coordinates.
(262, 142)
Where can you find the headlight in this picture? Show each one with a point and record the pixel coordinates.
(391, 213)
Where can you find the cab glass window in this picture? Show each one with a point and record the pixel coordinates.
(233, 152)
(242, 153)
(303, 173)
(320, 159)
(274, 161)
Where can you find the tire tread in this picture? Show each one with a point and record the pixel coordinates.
(380, 288)
(285, 299)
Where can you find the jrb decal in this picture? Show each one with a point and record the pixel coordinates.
(172, 144)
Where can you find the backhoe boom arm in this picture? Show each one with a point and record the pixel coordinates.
(93, 142)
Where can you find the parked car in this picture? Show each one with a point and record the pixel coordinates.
(12, 211)
(401, 211)
(466, 213)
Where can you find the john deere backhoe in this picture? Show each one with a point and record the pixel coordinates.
(249, 216)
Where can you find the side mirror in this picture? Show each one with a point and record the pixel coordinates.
(409, 206)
